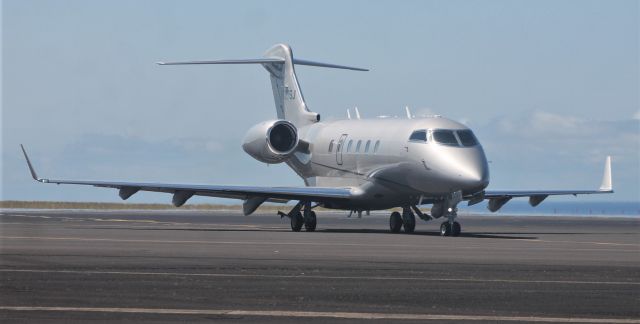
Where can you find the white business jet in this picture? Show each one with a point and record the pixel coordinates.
(357, 165)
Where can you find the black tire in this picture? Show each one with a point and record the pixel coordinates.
(296, 222)
(395, 222)
(456, 229)
(408, 222)
(310, 222)
(445, 229)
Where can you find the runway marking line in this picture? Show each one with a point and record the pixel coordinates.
(302, 276)
(596, 243)
(307, 314)
(120, 220)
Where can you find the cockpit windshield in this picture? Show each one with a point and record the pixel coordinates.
(466, 137)
(451, 137)
(444, 136)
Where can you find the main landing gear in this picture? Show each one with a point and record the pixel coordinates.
(301, 217)
(406, 220)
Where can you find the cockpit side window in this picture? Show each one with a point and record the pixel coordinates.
(467, 138)
(418, 136)
(445, 137)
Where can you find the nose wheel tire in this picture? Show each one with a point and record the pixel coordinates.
(296, 222)
(395, 222)
(310, 222)
(445, 229)
(450, 229)
(455, 229)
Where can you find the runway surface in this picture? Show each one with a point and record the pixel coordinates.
(168, 266)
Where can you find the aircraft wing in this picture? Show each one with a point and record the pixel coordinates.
(253, 196)
(498, 198)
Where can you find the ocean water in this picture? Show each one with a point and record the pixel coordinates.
(522, 207)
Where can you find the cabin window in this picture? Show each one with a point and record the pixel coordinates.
(358, 146)
(366, 147)
(445, 137)
(349, 146)
(418, 136)
(375, 147)
(467, 138)
(331, 146)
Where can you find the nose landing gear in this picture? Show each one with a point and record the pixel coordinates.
(450, 229)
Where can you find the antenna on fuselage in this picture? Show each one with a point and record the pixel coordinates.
(357, 113)
(348, 114)
(408, 112)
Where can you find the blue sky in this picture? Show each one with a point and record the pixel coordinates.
(550, 87)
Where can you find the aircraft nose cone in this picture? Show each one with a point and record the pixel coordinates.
(474, 175)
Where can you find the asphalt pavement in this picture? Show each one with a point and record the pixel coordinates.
(66, 266)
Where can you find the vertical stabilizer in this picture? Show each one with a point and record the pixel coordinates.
(289, 101)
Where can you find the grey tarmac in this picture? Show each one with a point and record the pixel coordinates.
(74, 266)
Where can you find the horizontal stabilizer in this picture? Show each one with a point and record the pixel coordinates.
(245, 61)
(327, 65)
(266, 61)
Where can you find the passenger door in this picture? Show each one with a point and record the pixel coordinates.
(340, 148)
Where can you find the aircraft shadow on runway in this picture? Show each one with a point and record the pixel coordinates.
(345, 231)
(471, 235)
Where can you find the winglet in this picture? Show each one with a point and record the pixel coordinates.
(607, 185)
(31, 169)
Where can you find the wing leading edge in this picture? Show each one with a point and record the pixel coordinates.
(253, 196)
(498, 198)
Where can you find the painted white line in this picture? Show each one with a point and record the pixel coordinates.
(82, 239)
(302, 314)
(303, 276)
(595, 243)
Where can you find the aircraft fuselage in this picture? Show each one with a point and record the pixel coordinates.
(389, 169)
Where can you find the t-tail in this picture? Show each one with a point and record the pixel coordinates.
(279, 62)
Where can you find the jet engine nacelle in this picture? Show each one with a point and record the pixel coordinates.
(271, 141)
